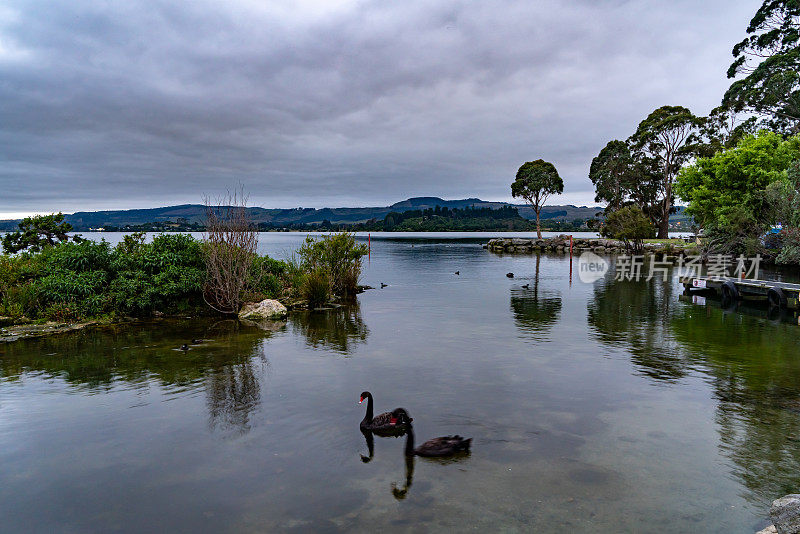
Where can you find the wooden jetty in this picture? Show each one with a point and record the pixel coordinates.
(778, 294)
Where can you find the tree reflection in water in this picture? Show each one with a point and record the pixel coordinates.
(756, 380)
(337, 329)
(226, 366)
(233, 390)
(636, 315)
(535, 310)
(750, 363)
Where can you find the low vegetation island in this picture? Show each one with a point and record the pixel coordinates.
(47, 275)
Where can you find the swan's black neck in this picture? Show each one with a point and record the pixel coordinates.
(368, 417)
(409, 440)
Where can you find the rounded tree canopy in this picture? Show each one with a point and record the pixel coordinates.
(536, 180)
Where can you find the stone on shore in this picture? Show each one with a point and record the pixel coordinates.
(769, 530)
(561, 244)
(264, 310)
(14, 333)
(785, 514)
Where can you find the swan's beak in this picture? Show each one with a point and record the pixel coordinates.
(361, 400)
(393, 421)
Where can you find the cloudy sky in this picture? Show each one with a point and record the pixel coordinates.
(120, 104)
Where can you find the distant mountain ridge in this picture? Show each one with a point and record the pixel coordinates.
(196, 213)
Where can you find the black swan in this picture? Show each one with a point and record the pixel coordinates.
(510, 275)
(381, 424)
(436, 447)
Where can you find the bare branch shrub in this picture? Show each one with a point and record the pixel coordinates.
(231, 241)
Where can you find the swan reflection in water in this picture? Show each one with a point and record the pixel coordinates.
(445, 448)
(442, 449)
(370, 446)
(400, 493)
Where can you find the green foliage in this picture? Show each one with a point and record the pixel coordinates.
(716, 185)
(790, 212)
(535, 182)
(769, 59)
(723, 129)
(37, 233)
(77, 257)
(15, 271)
(316, 286)
(613, 174)
(666, 140)
(161, 275)
(739, 232)
(270, 277)
(790, 253)
(69, 281)
(339, 256)
(630, 225)
(132, 243)
(621, 177)
(74, 281)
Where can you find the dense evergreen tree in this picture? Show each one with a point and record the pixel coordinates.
(769, 60)
(535, 182)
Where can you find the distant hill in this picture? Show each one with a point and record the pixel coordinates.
(195, 213)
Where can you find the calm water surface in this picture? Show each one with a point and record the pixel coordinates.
(612, 407)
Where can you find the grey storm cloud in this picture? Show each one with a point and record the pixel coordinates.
(108, 105)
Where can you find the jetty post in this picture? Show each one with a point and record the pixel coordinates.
(369, 247)
(570, 260)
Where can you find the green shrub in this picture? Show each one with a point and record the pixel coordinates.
(269, 278)
(10, 279)
(339, 255)
(131, 243)
(162, 275)
(316, 287)
(68, 281)
(271, 286)
(737, 232)
(790, 253)
(630, 225)
(77, 257)
(73, 281)
(62, 312)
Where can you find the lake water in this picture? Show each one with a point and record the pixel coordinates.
(605, 407)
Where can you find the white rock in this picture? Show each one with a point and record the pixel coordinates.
(266, 309)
